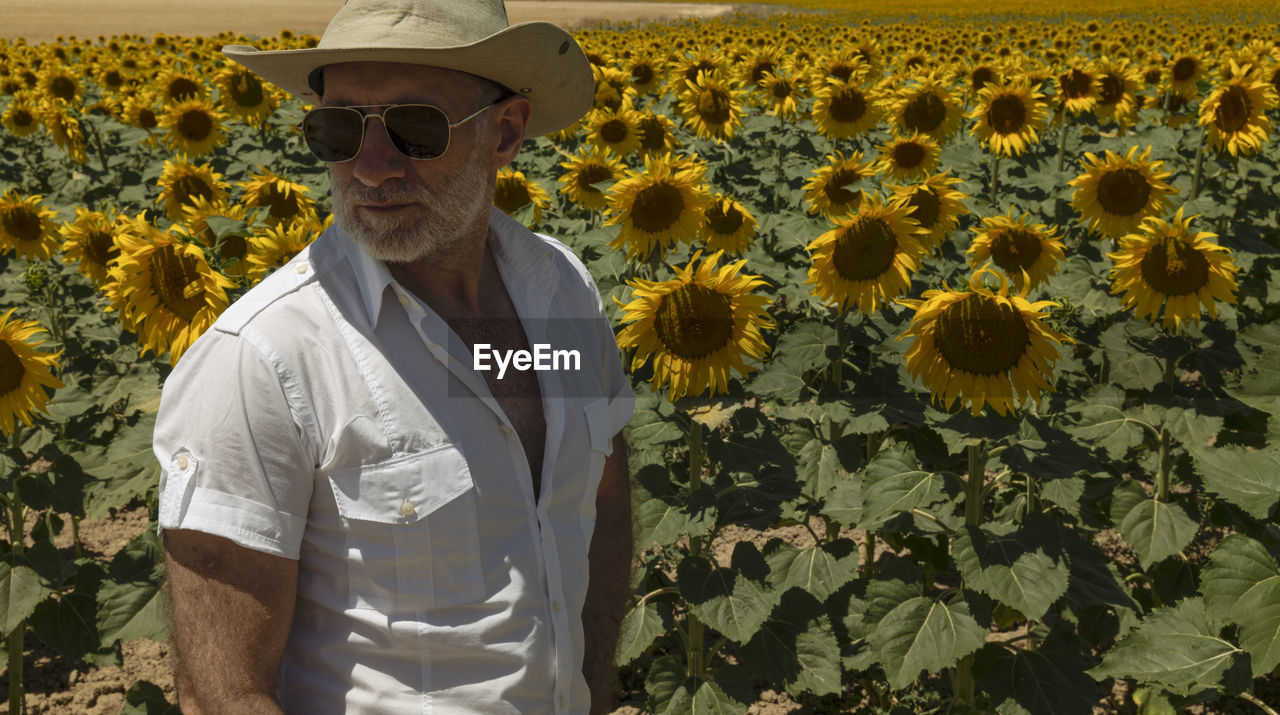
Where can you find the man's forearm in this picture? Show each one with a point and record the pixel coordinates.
(609, 586)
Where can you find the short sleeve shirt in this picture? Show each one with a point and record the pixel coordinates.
(330, 416)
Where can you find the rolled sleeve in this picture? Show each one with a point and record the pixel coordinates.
(233, 459)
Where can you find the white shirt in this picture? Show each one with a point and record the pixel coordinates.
(330, 416)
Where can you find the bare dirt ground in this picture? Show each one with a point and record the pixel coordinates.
(44, 20)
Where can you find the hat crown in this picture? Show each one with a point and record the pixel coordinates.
(413, 23)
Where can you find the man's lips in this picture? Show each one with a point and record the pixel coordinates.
(385, 207)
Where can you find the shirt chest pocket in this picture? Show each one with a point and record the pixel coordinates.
(412, 534)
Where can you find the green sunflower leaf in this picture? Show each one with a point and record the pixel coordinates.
(1175, 646)
(924, 635)
(1247, 479)
(1155, 529)
(1241, 584)
(723, 598)
(1015, 569)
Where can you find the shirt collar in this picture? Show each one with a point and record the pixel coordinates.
(518, 252)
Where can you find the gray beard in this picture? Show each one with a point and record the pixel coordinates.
(443, 221)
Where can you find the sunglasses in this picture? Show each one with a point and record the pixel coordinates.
(418, 131)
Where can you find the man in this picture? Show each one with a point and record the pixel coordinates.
(358, 516)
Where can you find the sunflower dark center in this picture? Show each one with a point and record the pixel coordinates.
(1172, 267)
(22, 118)
(925, 207)
(691, 74)
(1232, 112)
(1184, 68)
(11, 369)
(1112, 89)
(657, 207)
(1075, 84)
(641, 73)
(865, 250)
(1013, 249)
(653, 134)
(147, 118)
(22, 223)
(112, 78)
(843, 70)
(694, 321)
(510, 194)
(758, 70)
(62, 87)
(981, 77)
(925, 113)
(100, 247)
(835, 189)
(246, 90)
(908, 154)
(614, 131)
(981, 335)
(1151, 76)
(1123, 192)
(181, 88)
(848, 105)
(781, 89)
(1007, 114)
(714, 106)
(724, 218)
(187, 188)
(592, 174)
(195, 125)
(172, 274)
(279, 204)
(233, 246)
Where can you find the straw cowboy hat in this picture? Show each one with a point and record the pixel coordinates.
(535, 59)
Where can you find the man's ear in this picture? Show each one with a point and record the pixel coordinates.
(513, 117)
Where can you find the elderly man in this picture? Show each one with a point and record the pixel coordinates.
(358, 516)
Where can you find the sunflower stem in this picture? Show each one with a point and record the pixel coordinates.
(842, 341)
(1062, 143)
(17, 637)
(995, 177)
(694, 655)
(1166, 466)
(973, 486)
(1195, 176)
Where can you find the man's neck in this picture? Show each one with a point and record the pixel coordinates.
(459, 284)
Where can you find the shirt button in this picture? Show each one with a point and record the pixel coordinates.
(302, 268)
(562, 703)
(407, 508)
(183, 462)
(555, 606)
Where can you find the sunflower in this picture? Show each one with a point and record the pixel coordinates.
(1235, 114)
(782, 91)
(688, 68)
(845, 109)
(980, 347)
(1017, 246)
(64, 130)
(176, 86)
(905, 158)
(868, 258)
(24, 372)
(657, 133)
(582, 182)
(935, 205)
(758, 63)
(284, 200)
(1117, 87)
(1008, 116)
(196, 215)
(727, 225)
(928, 107)
(512, 192)
(277, 245)
(195, 127)
(613, 88)
(696, 326)
(1077, 90)
(1117, 192)
(842, 66)
(21, 118)
(58, 83)
(646, 74)
(657, 206)
(618, 131)
(90, 241)
(163, 288)
(711, 107)
(182, 182)
(139, 110)
(828, 189)
(1166, 265)
(242, 94)
(1185, 70)
(26, 227)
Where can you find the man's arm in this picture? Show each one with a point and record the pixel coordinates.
(232, 608)
(610, 579)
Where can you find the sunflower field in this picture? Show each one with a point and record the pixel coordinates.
(948, 338)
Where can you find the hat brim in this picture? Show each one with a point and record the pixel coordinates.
(537, 60)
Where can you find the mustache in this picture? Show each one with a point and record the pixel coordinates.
(386, 192)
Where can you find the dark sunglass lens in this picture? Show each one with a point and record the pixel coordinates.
(418, 131)
(333, 133)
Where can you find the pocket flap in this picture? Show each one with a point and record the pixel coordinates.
(402, 490)
(597, 413)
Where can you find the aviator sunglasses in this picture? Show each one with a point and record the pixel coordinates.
(418, 131)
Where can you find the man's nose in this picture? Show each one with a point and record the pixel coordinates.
(378, 159)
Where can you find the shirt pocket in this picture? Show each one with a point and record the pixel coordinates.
(412, 532)
(596, 413)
